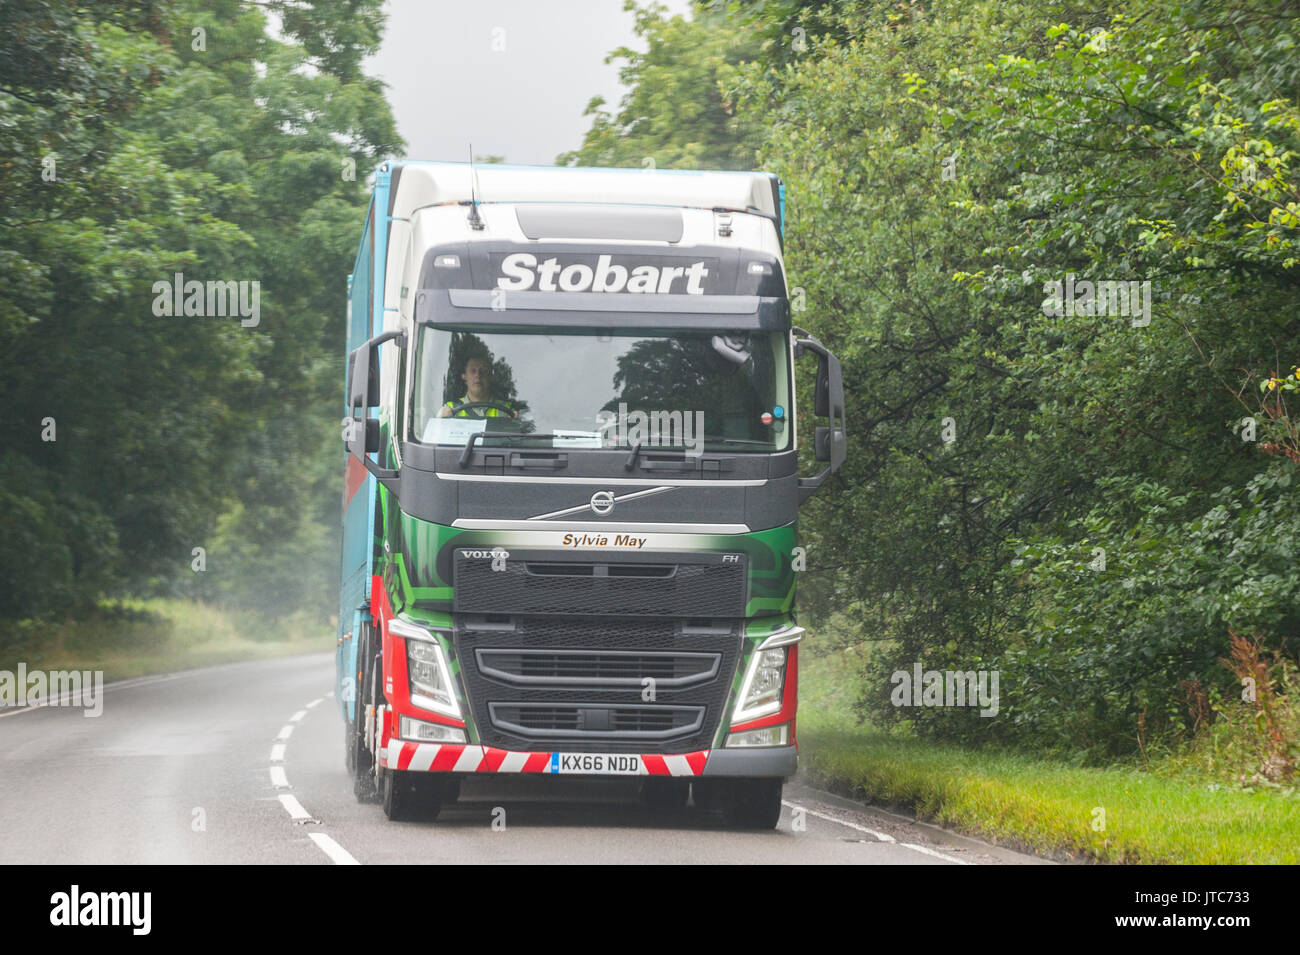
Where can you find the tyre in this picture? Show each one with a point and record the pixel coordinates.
(411, 796)
(362, 760)
(353, 750)
(752, 803)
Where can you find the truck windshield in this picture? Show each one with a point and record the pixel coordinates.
(698, 391)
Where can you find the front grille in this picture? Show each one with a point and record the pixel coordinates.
(611, 668)
(614, 585)
(548, 722)
(576, 684)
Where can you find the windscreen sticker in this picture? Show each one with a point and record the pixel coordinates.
(452, 430)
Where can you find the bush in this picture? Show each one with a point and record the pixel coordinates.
(1119, 630)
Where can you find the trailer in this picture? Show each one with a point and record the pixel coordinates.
(571, 485)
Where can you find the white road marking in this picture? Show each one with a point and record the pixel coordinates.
(931, 852)
(25, 709)
(881, 836)
(336, 852)
(293, 807)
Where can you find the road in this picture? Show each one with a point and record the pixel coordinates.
(244, 764)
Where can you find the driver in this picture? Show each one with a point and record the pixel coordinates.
(478, 387)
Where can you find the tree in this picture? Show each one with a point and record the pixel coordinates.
(175, 137)
(675, 114)
(1031, 488)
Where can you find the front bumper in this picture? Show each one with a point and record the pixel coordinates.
(464, 758)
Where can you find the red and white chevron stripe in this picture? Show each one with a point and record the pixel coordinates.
(460, 758)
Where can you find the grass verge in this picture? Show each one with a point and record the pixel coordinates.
(1035, 803)
(137, 638)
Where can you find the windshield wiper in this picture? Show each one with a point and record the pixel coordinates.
(718, 437)
(473, 438)
(469, 449)
(636, 447)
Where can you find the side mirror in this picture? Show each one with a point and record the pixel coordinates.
(822, 391)
(363, 394)
(363, 377)
(830, 442)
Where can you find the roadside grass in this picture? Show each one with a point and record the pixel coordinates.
(140, 637)
(1167, 815)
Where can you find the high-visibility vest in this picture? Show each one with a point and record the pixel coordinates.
(487, 412)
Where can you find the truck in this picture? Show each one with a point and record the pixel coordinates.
(571, 484)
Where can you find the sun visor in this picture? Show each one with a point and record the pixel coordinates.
(622, 222)
(454, 308)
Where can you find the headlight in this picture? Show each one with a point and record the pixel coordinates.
(426, 666)
(761, 693)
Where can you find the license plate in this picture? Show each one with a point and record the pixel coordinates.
(597, 764)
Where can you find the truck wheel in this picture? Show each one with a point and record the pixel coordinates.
(362, 762)
(364, 785)
(408, 795)
(752, 803)
(665, 793)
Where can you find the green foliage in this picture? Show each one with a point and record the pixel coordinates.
(675, 114)
(135, 149)
(1254, 739)
(1125, 624)
(945, 162)
(131, 638)
(1181, 812)
(76, 541)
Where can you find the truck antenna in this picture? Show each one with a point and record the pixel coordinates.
(475, 220)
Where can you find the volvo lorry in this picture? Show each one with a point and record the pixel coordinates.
(571, 485)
